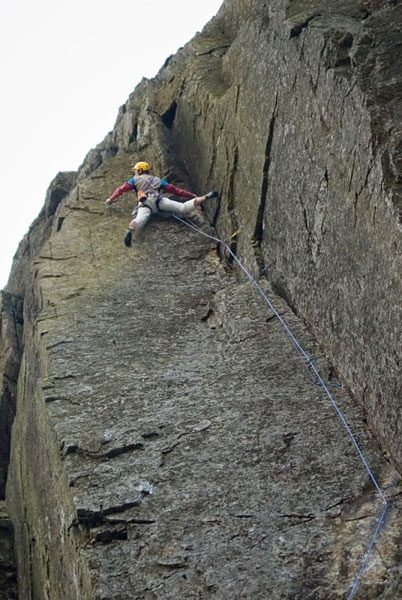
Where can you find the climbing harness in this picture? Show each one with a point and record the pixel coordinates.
(154, 200)
(153, 197)
(319, 380)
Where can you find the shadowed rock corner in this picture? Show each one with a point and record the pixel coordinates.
(8, 575)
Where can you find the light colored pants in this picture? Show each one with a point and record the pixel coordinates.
(151, 206)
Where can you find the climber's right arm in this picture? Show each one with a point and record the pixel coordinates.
(126, 187)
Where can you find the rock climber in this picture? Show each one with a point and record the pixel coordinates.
(150, 199)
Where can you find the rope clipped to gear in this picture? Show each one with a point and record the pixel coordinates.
(319, 380)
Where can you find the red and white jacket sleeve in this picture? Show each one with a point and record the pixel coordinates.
(126, 187)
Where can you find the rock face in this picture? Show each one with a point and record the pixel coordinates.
(179, 431)
(8, 579)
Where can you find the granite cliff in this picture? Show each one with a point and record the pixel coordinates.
(162, 436)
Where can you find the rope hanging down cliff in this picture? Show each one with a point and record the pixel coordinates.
(310, 366)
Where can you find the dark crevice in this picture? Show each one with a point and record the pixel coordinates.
(60, 223)
(298, 29)
(110, 535)
(259, 226)
(212, 50)
(123, 450)
(134, 133)
(130, 521)
(66, 449)
(112, 151)
(56, 196)
(343, 62)
(304, 518)
(59, 189)
(169, 115)
(258, 232)
(95, 518)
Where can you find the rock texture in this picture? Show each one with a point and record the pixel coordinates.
(169, 440)
(8, 578)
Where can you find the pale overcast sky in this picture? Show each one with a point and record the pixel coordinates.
(65, 69)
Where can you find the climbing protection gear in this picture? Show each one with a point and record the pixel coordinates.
(141, 196)
(127, 239)
(141, 166)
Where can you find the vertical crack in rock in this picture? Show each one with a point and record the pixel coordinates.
(259, 227)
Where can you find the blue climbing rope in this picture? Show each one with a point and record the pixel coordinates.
(310, 365)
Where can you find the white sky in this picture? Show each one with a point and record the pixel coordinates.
(65, 69)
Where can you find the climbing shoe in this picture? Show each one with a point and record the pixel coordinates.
(127, 239)
(211, 195)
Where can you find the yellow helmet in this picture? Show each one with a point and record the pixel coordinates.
(141, 166)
